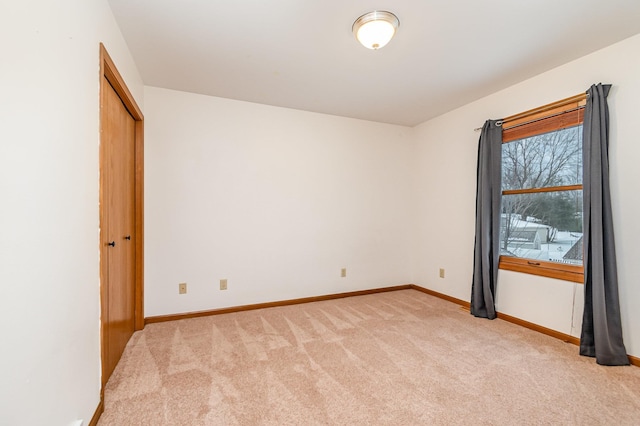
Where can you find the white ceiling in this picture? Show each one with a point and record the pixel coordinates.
(301, 53)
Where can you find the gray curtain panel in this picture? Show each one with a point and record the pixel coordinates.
(487, 244)
(601, 326)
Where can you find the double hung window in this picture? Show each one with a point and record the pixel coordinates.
(541, 215)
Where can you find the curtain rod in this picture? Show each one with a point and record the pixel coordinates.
(577, 98)
(499, 122)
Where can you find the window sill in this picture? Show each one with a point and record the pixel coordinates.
(545, 269)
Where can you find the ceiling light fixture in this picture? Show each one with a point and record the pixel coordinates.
(375, 29)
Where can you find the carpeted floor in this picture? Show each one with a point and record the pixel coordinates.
(397, 358)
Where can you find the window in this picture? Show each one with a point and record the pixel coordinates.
(541, 219)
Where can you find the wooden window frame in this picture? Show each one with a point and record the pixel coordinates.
(552, 117)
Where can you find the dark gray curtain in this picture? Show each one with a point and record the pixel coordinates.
(487, 244)
(601, 326)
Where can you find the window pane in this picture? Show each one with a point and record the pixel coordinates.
(548, 159)
(543, 226)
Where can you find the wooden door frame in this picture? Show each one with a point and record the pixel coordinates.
(109, 72)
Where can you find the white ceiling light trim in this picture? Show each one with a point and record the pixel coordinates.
(375, 29)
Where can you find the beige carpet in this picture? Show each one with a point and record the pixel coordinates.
(397, 358)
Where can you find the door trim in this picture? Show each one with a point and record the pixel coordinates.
(109, 71)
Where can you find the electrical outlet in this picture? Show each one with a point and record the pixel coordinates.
(182, 288)
(343, 272)
(223, 284)
(441, 272)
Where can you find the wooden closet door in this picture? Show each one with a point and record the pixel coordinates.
(118, 127)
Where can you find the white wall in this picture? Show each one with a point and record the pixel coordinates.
(49, 171)
(445, 174)
(275, 200)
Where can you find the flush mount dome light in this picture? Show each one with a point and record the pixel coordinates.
(375, 29)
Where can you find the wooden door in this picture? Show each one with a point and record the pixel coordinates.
(118, 139)
(121, 215)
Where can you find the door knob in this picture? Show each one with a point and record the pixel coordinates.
(112, 244)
